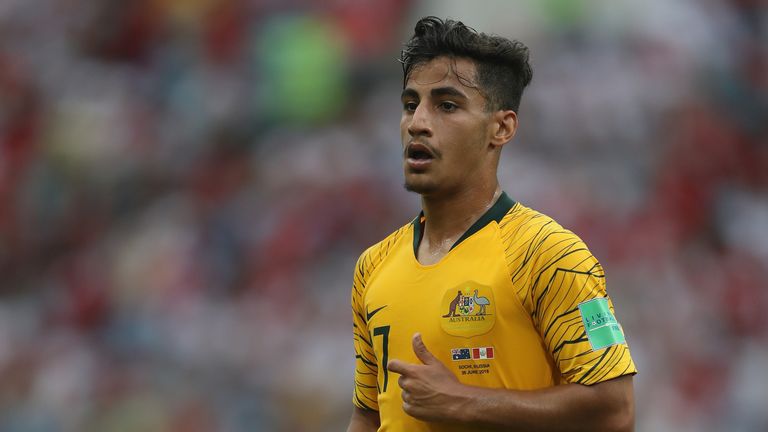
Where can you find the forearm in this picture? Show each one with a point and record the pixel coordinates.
(606, 406)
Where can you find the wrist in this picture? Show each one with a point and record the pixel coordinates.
(467, 401)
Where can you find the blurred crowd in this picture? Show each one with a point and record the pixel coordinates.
(186, 185)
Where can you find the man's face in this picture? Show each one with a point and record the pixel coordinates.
(445, 128)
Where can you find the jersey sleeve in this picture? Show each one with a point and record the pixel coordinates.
(573, 313)
(366, 369)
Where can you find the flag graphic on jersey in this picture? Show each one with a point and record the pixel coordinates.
(460, 354)
(482, 353)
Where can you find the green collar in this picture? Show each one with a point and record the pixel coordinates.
(495, 213)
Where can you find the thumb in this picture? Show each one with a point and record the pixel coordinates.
(421, 350)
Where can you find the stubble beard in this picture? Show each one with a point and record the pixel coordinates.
(429, 187)
(419, 187)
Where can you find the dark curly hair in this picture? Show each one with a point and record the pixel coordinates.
(502, 65)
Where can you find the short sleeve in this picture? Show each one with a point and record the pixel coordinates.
(573, 313)
(366, 369)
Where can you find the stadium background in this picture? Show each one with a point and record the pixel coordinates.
(185, 186)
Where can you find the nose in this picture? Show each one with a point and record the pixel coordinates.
(419, 124)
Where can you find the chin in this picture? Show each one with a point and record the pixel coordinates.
(421, 188)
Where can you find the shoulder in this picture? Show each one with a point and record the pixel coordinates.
(538, 240)
(372, 257)
(522, 223)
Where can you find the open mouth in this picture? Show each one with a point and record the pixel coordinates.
(419, 152)
(419, 155)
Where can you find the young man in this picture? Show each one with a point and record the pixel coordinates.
(481, 314)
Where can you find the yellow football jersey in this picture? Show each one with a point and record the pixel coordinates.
(518, 303)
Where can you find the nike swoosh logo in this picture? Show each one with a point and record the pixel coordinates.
(370, 315)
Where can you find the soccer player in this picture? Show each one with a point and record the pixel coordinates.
(481, 313)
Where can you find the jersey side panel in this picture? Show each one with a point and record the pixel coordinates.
(365, 395)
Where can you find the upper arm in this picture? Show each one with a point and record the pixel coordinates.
(567, 276)
(363, 420)
(613, 401)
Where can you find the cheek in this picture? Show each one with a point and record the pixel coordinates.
(466, 150)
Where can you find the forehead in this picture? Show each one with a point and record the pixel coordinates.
(445, 71)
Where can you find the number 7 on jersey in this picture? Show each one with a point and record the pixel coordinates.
(383, 331)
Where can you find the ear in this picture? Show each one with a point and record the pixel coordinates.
(504, 126)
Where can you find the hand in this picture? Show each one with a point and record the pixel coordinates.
(430, 391)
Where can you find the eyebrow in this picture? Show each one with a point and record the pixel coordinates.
(409, 93)
(448, 91)
(435, 92)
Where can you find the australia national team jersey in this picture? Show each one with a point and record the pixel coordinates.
(518, 303)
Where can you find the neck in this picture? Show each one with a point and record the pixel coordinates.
(447, 218)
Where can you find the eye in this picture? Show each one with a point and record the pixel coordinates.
(410, 106)
(448, 106)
